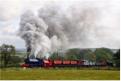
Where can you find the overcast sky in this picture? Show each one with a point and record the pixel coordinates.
(10, 11)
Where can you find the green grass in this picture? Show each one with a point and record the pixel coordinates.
(58, 74)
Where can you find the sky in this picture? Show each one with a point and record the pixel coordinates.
(11, 10)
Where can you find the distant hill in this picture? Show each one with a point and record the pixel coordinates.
(21, 50)
(93, 49)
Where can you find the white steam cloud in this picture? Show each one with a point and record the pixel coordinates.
(77, 25)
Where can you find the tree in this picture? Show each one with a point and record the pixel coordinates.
(55, 56)
(15, 60)
(6, 52)
(89, 56)
(71, 57)
(72, 54)
(81, 54)
(103, 54)
(117, 58)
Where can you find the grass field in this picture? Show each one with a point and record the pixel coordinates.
(58, 74)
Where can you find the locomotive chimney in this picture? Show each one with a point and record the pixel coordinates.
(28, 51)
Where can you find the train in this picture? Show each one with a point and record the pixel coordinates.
(46, 63)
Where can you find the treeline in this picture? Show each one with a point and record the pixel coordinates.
(92, 56)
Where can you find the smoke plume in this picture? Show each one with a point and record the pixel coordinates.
(33, 30)
(58, 28)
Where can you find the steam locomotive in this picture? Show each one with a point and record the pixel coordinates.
(36, 62)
